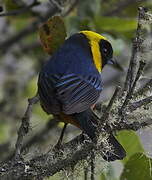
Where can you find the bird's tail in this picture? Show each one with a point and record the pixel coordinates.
(88, 123)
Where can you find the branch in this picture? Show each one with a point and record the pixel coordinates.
(136, 60)
(56, 4)
(132, 88)
(37, 138)
(49, 163)
(109, 107)
(144, 89)
(105, 110)
(24, 128)
(73, 5)
(21, 10)
(135, 105)
(135, 126)
(5, 45)
(137, 46)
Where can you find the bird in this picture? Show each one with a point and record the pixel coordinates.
(70, 83)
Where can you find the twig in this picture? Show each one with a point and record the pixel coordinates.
(131, 90)
(48, 164)
(139, 73)
(5, 45)
(73, 5)
(86, 173)
(137, 44)
(72, 173)
(37, 138)
(21, 10)
(135, 105)
(133, 75)
(92, 166)
(111, 102)
(24, 128)
(103, 124)
(144, 89)
(135, 126)
(56, 3)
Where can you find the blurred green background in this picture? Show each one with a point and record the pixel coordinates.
(21, 61)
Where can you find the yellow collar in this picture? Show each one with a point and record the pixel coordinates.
(94, 39)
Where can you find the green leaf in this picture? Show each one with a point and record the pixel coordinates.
(138, 167)
(115, 24)
(131, 143)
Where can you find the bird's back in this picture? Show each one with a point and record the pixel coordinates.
(69, 81)
(74, 56)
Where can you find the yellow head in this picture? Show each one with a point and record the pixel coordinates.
(102, 51)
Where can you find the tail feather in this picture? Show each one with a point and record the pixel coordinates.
(85, 120)
(88, 123)
(117, 152)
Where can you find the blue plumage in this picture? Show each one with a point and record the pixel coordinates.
(73, 57)
(69, 84)
(69, 80)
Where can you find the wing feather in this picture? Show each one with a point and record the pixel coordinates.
(47, 93)
(68, 93)
(78, 93)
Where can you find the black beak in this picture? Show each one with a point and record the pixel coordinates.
(115, 64)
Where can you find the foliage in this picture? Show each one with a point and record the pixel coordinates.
(130, 141)
(137, 167)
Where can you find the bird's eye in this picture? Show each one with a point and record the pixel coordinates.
(105, 50)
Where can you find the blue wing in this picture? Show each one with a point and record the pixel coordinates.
(69, 82)
(47, 94)
(68, 93)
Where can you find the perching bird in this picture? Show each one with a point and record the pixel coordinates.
(70, 83)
